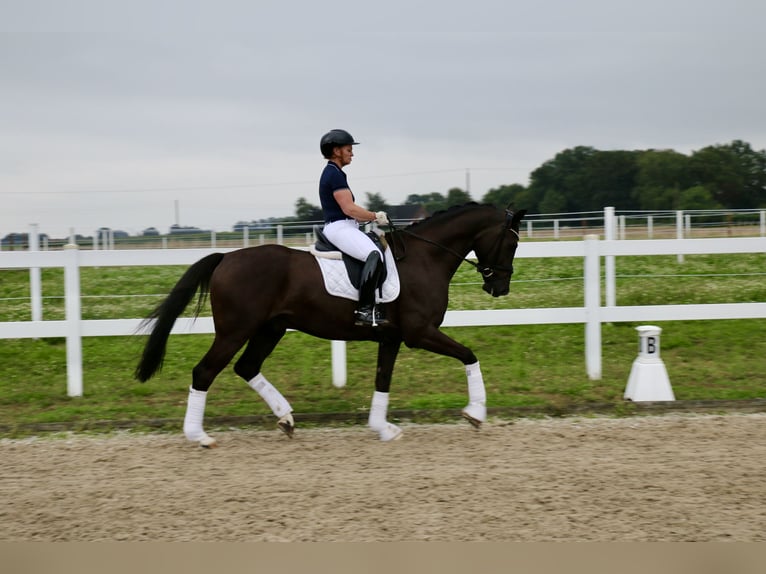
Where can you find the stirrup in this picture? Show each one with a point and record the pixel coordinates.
(371, 316)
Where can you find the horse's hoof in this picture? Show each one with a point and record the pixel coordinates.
(208, 442)
(390, 432)
(475, 423)
(287, 425)
(475, 414)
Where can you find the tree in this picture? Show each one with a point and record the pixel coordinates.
(304, 211)
(697, 197)
(375, 202)
(662, 174)
(553, 202)
(734, 173)
(433, 202)
(565, 173)
(607, 179)
(457, 196)
(505, 196)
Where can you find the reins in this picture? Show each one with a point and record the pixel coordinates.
(485, 270)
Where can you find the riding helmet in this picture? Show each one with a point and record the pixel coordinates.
(333, 139)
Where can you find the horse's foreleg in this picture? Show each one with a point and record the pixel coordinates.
(476, 410)
(387, 352)
(435, 341)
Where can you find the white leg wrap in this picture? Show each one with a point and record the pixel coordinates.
(278, 404)
(477, 394)
(476, 391)
(195, 412)
(377, 419)
(378, 410)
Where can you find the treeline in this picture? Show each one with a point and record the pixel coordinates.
(722, 176)
(730, 176)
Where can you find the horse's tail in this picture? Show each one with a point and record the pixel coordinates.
(196, 278)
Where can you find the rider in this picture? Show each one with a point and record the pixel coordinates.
(341, 222)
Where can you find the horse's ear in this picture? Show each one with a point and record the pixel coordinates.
(518, 216)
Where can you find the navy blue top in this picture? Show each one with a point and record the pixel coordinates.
(333, 178)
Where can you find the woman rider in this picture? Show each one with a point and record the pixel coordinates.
(341, 222)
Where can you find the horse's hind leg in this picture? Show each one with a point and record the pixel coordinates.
(248, 366)
(218, 356)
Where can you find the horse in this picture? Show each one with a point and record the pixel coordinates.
(258, 293)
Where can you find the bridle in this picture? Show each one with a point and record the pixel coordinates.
(487, 271)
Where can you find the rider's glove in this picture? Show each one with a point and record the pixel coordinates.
(381, 218)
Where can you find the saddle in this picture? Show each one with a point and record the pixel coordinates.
(325, 248)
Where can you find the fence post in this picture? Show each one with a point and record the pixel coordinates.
(649, 227)
(763, 223)
(338, 349)
(680, 231)
(592, 278)
(246, 236)
(279, 235)
(35, 288)
(609, 267)
(73, 317)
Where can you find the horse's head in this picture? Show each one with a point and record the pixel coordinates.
(495, 249)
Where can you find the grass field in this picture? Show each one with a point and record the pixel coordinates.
(524, 366)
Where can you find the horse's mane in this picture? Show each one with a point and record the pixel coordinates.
(438, 215)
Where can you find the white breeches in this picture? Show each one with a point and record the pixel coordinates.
(347, 237)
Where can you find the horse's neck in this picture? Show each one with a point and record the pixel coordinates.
(453, 237)
(459, 233)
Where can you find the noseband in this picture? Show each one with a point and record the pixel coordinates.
(486, 271)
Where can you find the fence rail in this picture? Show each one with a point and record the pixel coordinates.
(612, 223)
(592, 314)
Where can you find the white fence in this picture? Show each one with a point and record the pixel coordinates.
(614, 225)
(592, 314)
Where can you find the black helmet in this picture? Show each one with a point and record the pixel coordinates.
(333, 139)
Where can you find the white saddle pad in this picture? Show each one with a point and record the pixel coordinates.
(337, 283)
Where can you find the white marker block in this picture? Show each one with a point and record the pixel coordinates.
(648, 379)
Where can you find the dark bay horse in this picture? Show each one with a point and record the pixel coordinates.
(258, 293)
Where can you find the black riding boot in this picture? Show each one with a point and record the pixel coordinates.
(367, 313)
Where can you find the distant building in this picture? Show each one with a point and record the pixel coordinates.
(240, 226)
(103, 233)
(176, 229)
(150, 232)
(20, 239)
(407, 212)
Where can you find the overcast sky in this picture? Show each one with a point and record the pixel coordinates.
(110, 112)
